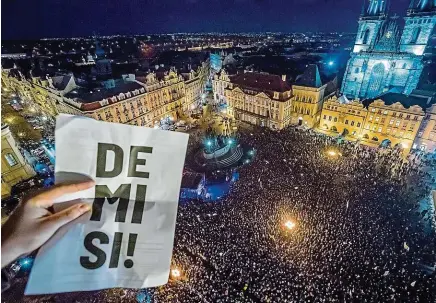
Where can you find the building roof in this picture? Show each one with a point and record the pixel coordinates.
(87, 96)
(406, 101)
(310, 77)
(261, 81)
(61, 82)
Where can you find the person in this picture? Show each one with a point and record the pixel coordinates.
(33, 223)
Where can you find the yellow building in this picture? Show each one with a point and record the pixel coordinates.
(220, 82)
(14, 167)
(308, 93)
(259, 98)
(391, 120)
(426, 138)
(342, 116)
(391, 123)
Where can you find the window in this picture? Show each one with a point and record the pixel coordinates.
(385, 112)
(380, 129)
(397, 123)
(335, 120)
(365, 36)
(346, 121)
(352, 123)
(356, 70)
(373, 110)
(415, 35)
(377, 119)
(408, 117)
(370, 118)
(325, 117)
(391, 122)
(358, 124)
(11, 159)
(330, 118)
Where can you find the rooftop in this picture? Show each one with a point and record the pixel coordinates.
(261, 81)
(310, 77)
(84, 95)
(406, 101)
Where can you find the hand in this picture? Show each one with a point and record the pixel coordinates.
(32, 223)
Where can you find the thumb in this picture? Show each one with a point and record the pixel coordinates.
(61, 218)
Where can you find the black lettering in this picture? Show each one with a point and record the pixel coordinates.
(102, 150)
(103, 193)
(116, 249)
(138, 209)
(100, 254)
(134, 161)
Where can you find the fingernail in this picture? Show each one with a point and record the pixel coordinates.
(90, 182)
(84, 207)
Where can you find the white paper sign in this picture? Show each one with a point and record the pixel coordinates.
(126, 242)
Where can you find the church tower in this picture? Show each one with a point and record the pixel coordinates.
(419, 25)
(370, 22)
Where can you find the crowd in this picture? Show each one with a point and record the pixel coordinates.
(362, 231)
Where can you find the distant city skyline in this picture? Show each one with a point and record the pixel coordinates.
(26, 19)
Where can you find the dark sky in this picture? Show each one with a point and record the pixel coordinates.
(67, 18)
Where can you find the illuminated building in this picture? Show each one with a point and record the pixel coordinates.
(341, 116)
(389, 120)
(308, 92)
(384, 58)
(259, 98)
(220, 82)
(426, 138)
(143, 100)
(14, 167)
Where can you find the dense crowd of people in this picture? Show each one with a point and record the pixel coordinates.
(363, 229)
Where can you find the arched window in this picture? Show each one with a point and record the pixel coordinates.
(415, 35)
(365, 37)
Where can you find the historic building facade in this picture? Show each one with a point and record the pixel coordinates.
(134, 100)
(393, 120)
(308, 97)
(384, 57)
(259, 98)
(14, 167)
(342, 116)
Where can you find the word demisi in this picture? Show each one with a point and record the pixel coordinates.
(122, 196)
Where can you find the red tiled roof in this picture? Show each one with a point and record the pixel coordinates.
(261, 82)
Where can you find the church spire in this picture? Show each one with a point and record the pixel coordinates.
(376, 8)
(423, 6)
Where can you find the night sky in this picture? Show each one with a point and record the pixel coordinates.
(22, 19)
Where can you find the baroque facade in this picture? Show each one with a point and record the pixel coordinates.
(385, 58)
(394, 120)
(14, 167)
(143, 100)
(259, 98)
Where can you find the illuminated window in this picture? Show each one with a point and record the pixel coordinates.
(379, 129)
(335, 120)
(365, 37)
(397, 123)
(352, 123)
(373, 110)
(377, 119)
(358, 124)
(346, 121)
(11, 159)
(370, 118)
(385, 112)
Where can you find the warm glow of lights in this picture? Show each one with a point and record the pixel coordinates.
(331, 153)
(290, 224)
(175, 273)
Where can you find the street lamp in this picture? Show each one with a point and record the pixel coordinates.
(175, 273)
(290, 225)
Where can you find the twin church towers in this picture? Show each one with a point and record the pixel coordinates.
(384, 57)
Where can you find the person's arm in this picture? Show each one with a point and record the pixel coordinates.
(32, 223)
